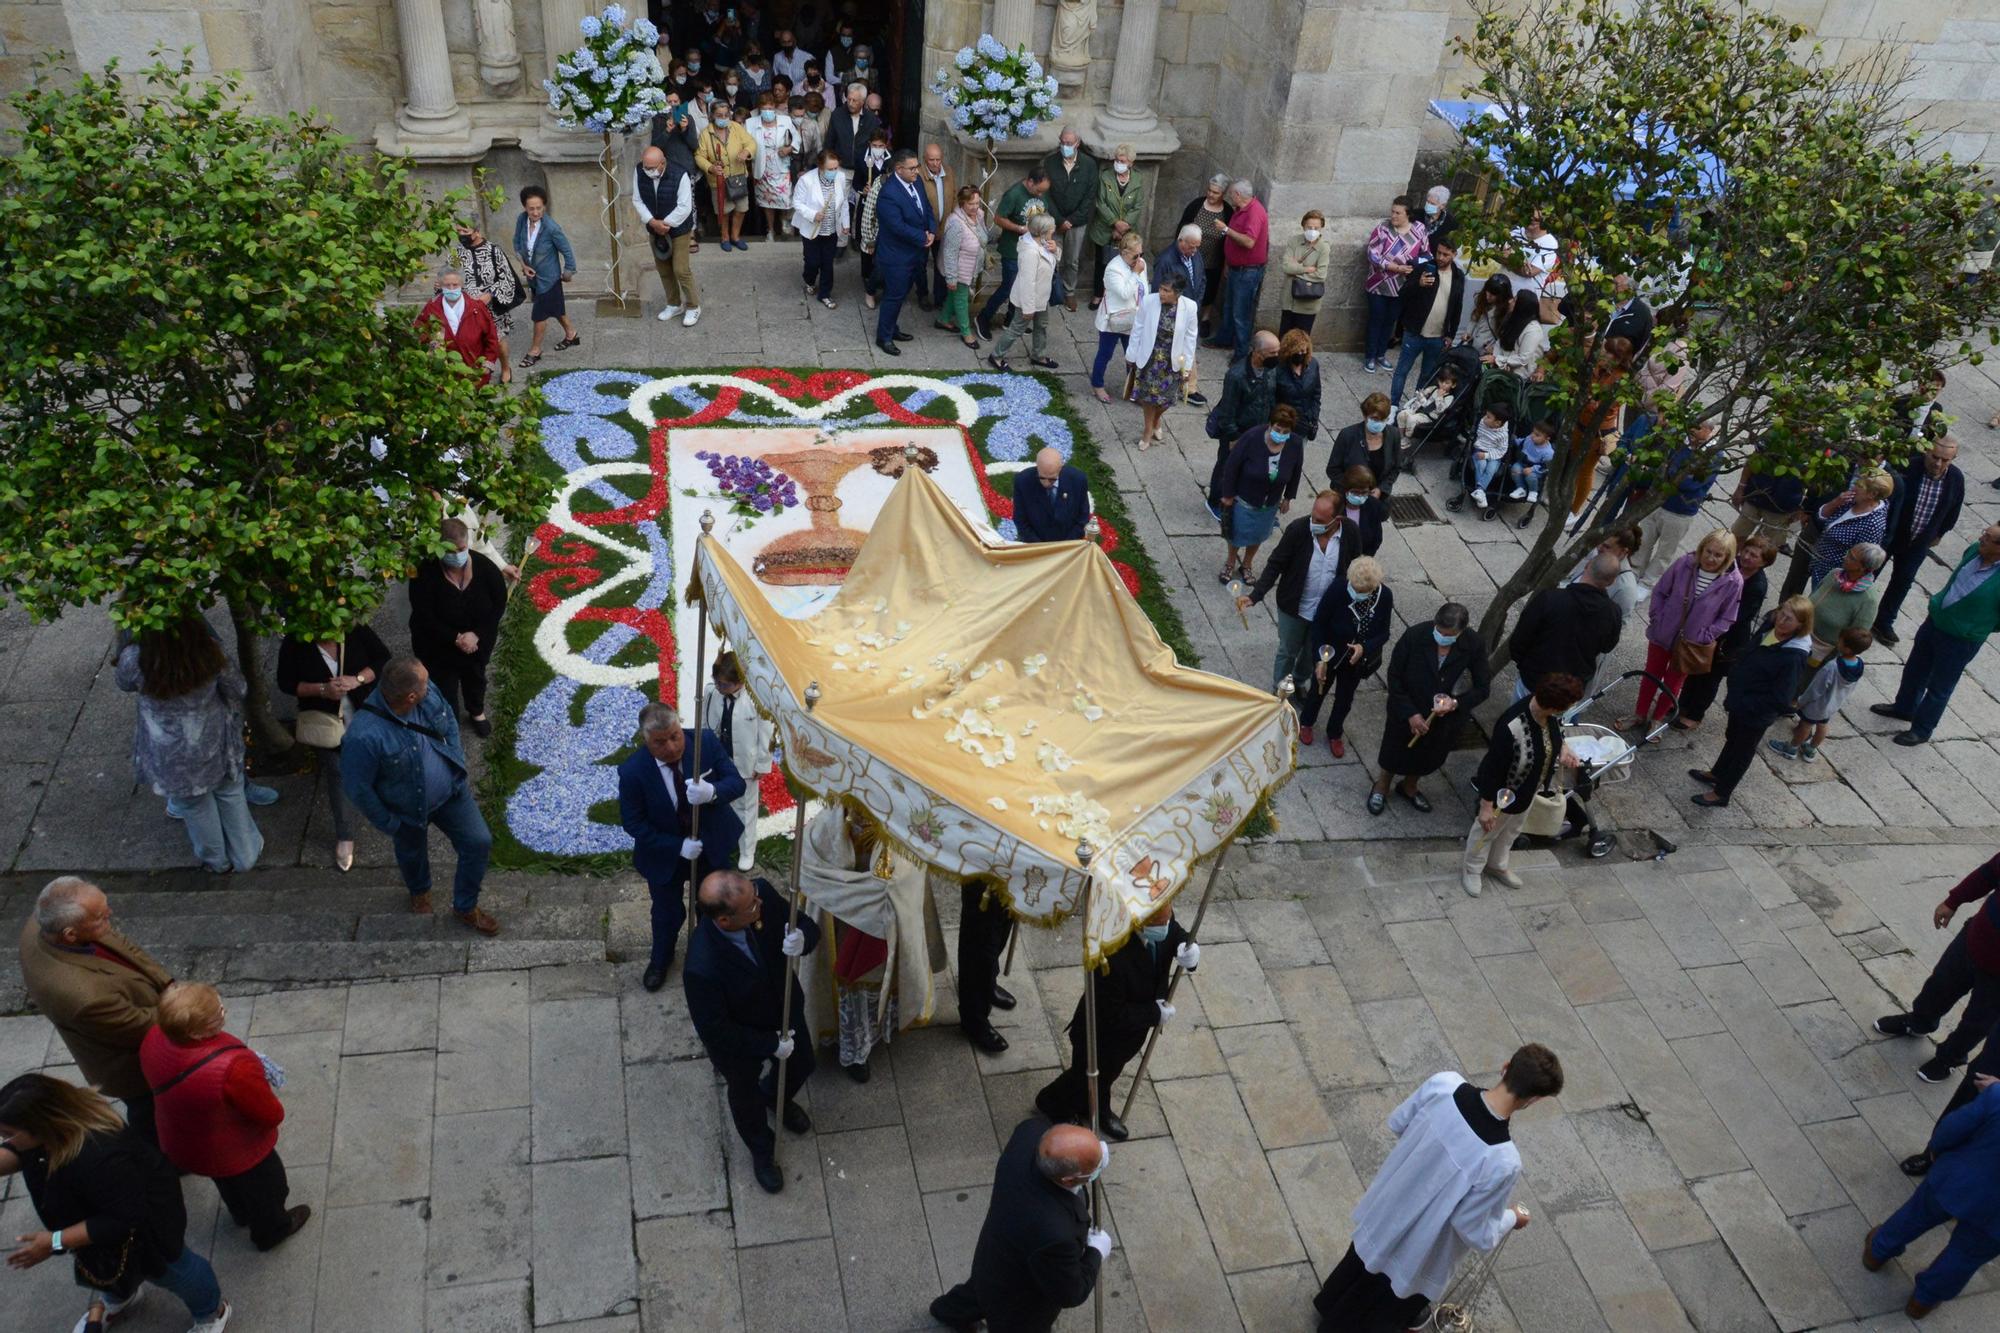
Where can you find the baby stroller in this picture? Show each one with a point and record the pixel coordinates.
(1606, 759)
(1526, 403)
(1453, 425)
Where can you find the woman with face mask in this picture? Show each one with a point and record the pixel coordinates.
(1120, 209)
(821, 205)
(1437, 675)
(1306, 261)
(726, 158)
(1372, 442)
(872, 170)
(1298, 381)
(771, 169)
(961, 257)
(1259, 481)
(456, 601)
(1354, 619)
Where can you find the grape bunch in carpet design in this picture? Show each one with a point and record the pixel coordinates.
(794, 465)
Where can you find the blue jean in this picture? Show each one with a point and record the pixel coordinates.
(1239, 308)
(1936, 662)
(1484, 470)
(220, 827)
(1382, 312)
(1430, 349)
(1010, 268)
(1107, 343)
(192, 1280)
(1294, 632)
(459, 820)
(1964, 1254)
(1528, 476)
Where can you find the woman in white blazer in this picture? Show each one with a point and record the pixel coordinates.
(1123, 284)
(1162, 347)
(749, 744)
(822, 201)
(1030, 296)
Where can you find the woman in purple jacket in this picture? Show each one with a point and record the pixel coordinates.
(1696, 600)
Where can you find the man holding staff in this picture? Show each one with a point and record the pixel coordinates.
(736, 981)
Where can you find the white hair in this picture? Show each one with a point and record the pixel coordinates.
(1218, 181)
(1042, 224)
(1243, 188)
(654, 718)
(60, 904)
(858, 87)
(1439, 195)
(1189, 233)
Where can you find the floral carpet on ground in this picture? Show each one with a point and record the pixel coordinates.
(793, 465)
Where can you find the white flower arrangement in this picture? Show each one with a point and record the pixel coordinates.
(994, 94)
(612, 80)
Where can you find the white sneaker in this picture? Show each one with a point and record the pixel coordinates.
(691, 318)
(217, 1324)
(1518, 493)
(1534, 497)
(668, 313)
(1470, 883)
(1478, 497)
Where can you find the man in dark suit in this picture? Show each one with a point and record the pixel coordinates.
(1925, 509)
(1038, 1254)
(1432, 303)
(908, 229)
(1310, 559)
(1051, 500)
(983, 926)
(735, 984)
(847, 130)
(657, 793)
(1631, 318)
(1131, 1002)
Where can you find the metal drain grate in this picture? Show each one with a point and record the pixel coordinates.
(1407, 511)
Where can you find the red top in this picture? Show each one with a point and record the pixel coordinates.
(477, 339)
(1982, 933)
(112, 956)
(1252, 221)
(220, 1120)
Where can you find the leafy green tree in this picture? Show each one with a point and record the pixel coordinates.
(206, 397)
(1816, 279)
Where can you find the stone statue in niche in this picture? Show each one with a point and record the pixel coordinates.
(1069, 44)
(499, 54)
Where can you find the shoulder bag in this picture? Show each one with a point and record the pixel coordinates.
(1691, 659)
(321, 730)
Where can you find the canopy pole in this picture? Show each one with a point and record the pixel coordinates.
(1173, 984)
(700, 653)
(791, 924)
(1013, 933)
(1084, 853)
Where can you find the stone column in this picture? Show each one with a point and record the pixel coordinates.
(499, 55)
(1129, 112)
(430, 109)
(1014, 23)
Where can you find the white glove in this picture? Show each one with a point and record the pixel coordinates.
(690, 848)
(1100, 1240)
(795, 942)
(1167, 1011)
(700, 793)
(784, 1051)
(1188, 955)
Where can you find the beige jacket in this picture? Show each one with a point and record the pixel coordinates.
(101, 1009)
(1035, 280)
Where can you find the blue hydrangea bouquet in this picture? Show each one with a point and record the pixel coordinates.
(994, 94)
(612, 80)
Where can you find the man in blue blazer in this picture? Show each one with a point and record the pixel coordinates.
(1960, 1187)
(908, 228)
(1051, 501)
(545, 254)
(657, 790)
(736, 982)
(1923, 512)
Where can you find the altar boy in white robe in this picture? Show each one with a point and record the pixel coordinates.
(1442, 1192)
(746, 733)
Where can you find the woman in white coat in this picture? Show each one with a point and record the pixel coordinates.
(1123, 284)
(822, 202)
(1162, 347)
(728, 711)
(1030, 296)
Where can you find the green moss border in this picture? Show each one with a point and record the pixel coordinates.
(519, 673)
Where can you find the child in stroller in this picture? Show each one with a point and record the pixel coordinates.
(1491, 443)
(1532, 454)
(1430, 402)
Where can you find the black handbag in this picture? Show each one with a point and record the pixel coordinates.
(1305, 289)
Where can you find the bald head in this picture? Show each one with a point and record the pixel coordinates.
(652, 160)
(729, 899)
(1603, 570)
(1048, 465)
(1068, 1154)
(1263, 345)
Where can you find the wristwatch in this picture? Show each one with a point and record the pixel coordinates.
(55, 1242)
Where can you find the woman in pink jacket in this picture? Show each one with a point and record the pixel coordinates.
(962, 254)
(1696, 601)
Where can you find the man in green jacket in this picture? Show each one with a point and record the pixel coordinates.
(1963, 613)
(1072, 200)
(1121, 207)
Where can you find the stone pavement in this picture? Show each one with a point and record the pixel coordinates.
(546, 1147)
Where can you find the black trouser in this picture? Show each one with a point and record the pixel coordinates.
(1953, 977)
(982, 934)
(1987, 1062)
(139, 1119)
(1354, 1300)
(459, 673)
(1069, 1094)
(1341, 685)
(256, 1199)
(1700, 691)
(1739, 747)
(753, 1093)
(1803, 548)
(1903, 567)
(819, 255)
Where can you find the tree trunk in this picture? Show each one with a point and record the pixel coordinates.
(270, 740)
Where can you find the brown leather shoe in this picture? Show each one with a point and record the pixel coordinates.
(1069, 304)
(1916, 1309)
(1868, 1259)
(420, 903)
(479, 920)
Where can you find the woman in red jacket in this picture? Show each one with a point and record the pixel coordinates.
(217, 1114)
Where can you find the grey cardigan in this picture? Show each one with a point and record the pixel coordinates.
(186, 746)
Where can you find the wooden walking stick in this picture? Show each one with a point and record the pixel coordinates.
(700, 652)
(1285, 688)
(1084, 853)
(792, 924)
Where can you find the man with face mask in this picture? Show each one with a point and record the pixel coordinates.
(663, 196)
(1072, 200)
(1038, 1253)
(1311, 557)
(456, 601)
(1249, 392)
(839, 62)
(465, 326)
(790, 61)
(1131, 1002)
(848, 132)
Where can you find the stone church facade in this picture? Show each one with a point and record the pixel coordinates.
(1320, 103)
